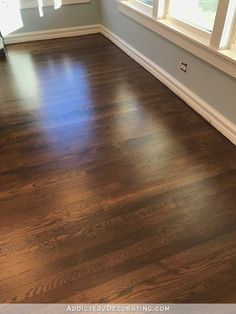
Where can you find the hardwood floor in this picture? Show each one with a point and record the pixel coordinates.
(112, 188)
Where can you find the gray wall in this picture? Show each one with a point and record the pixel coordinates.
(215, 87)
(67, 16)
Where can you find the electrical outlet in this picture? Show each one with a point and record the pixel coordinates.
(183, 67)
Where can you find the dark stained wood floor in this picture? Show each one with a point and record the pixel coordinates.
(111, 188)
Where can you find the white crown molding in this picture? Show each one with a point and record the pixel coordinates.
(52, 34)
(221, 123)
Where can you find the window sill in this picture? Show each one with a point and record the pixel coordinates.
(29, 4)
(224, 60)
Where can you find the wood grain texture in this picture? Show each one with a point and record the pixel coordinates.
(111, 188)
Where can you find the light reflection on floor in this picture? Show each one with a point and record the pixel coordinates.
(44, 88)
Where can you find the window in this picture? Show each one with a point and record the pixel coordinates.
(145, 6)
(148, 2)
(198, 13)
(233, 46)
(206, 28)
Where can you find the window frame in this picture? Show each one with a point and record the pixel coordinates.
(214, 47)
(142, 7)
(194, 28)
(198, 31)
(233, 40)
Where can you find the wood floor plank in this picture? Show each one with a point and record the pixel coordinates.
(111, 188)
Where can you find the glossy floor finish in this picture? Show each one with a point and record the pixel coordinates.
(112, 188)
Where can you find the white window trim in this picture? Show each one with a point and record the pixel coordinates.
(201, 33)
(233, 45)
(193, 42)
(147, 9)
(29, 4)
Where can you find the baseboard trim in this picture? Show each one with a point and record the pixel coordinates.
(52, 34)
(221, 123)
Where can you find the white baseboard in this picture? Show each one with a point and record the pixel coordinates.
(52, 34)
(221, 123)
